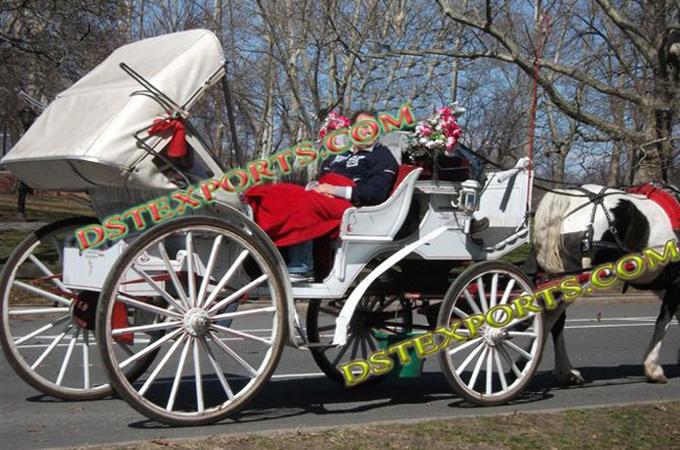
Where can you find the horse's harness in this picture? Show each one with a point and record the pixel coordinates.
(587, 243)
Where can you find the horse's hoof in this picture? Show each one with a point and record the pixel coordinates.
(656, 375)
(575, 378)
(658, 379)
(571, 378)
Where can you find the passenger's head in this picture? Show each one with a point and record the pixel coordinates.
(362, 114)
(359, 115)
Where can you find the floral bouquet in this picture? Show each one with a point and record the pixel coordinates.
(440, 132)
(334, 121)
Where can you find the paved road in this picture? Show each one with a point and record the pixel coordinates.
(608, 352)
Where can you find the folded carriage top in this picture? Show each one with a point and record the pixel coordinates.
(86, 136)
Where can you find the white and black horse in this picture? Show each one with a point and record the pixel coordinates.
(581, 228)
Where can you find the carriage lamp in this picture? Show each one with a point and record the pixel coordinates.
(468, 195)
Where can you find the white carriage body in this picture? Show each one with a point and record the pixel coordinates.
(89, 139)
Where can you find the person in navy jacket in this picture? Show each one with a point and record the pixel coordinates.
(373, 169)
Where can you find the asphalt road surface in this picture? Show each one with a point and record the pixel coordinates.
(606, 341)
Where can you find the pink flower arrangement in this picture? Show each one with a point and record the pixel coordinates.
(334, 121)
(440, 132)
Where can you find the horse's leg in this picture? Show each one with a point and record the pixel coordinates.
(564, 371)
(669, 306)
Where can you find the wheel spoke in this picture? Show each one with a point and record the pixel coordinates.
(248, 312)
(371, 343)
(364, 348)
(240, 334)
(198, 379)
(51, 347)
(152, 377)
(343, 351)
(464, 345)
(86, 359)
(238, 293)
(225, 278)
(501, 372)
(233, 354)
(522, 352)
(494, 290)
(462, 314)
(478, 365)
(178, 376)
(191, 278)
(173, 276)
(218, 370)
(162, 292)
(30, 312)
(41, 293)
(67, 357)
(504, 353)
(482, 294)
(209, 269)
(507, 291)
(49, 273)
(40, 330)
(143, 328)
(518, 321)
(521, 333)
(489, 370)
(147, 307)
(149, 348)
(355, 348)
(471, 301)
(470, 357)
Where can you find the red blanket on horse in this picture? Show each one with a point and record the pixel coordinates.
(290, 215)
(662, 197)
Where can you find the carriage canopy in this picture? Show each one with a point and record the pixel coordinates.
(86, 136)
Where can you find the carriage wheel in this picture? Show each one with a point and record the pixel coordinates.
(46, 333)
(211, 359)
(494, 367)
(389, 315)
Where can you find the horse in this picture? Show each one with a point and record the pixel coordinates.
(577, 229)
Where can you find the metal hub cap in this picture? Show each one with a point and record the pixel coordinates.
(493, 336)
(196, 322)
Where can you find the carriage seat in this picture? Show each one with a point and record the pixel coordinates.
(382, 222)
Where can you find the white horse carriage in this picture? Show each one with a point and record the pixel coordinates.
(193, 314)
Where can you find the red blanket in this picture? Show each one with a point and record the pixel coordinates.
(290, 215)
(664, 199)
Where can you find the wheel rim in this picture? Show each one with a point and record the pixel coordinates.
(47, 341)
(211, 357)
(497, 364)
(387, 315)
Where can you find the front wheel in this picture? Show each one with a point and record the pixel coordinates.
(186, 276)
(495, 364)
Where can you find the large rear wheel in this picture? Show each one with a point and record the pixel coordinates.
(187, 276)
(46, 330)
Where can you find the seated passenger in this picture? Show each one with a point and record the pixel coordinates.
(293, 215)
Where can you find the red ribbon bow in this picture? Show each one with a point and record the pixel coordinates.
(178, 144)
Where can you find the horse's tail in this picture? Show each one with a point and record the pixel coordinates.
(547, 231)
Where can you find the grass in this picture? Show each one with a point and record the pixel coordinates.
(42, 208)
(518, 255)
(642, 427)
